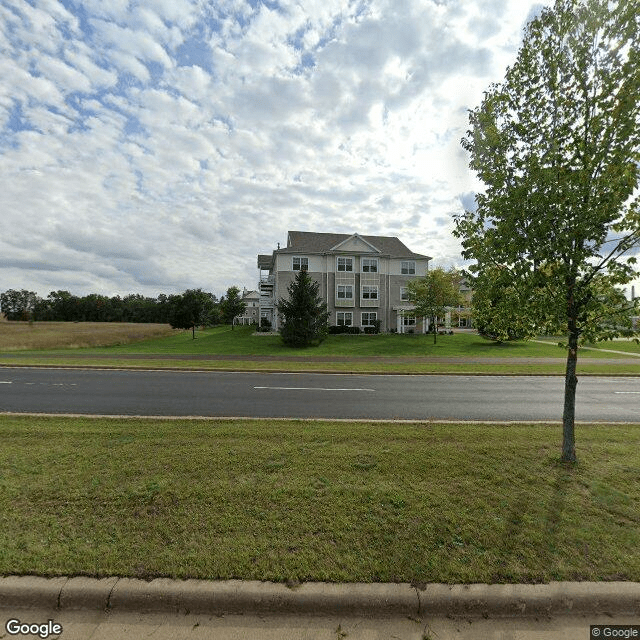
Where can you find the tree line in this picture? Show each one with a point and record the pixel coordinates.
(193, 307)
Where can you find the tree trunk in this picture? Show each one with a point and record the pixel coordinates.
(435, 328)
(193, 329)
(570, 384)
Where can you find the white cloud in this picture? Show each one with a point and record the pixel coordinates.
(161, 145)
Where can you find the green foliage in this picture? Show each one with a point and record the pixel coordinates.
(232, 305)
(305, 315)
(18, 305)
(557, 145)
(190, 309)
(497, 305)
(434, 294)
(62, 306)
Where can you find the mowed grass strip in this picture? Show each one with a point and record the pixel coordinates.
(585, 367)
(296, 500)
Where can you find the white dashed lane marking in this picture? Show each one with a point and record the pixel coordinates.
(310, 389)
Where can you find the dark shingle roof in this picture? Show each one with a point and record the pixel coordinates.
(310, 242)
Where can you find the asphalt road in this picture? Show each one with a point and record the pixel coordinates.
(313, 395)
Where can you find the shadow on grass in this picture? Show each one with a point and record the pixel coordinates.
(535, 519)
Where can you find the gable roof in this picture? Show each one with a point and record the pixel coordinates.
(355, 239)
(311, 242)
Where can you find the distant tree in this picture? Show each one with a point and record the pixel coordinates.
(433, 294)
(63, 306)
(305, 316)
(18, 305)
(231, 305)
(557, 145)
(190, 309)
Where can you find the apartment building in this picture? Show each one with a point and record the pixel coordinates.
(361, 278)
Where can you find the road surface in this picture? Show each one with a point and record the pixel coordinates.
(170, 393)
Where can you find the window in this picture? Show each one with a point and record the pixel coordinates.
(369, 265)
(408, 267)
(345, 264)
(369, 293)
(344, 318)
(301, 264)
(404, 294)
(369, 318)
(345, 291)
(409, 321)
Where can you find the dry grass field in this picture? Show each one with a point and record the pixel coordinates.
(17, 336)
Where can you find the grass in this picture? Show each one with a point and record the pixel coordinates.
(628, 346)
(339, 353)
(297, 500)
(585, 367)
(242, 341)
(17, 336)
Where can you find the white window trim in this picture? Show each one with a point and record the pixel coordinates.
(348, 288)
(301, 259)
(348, 261)
(344, 318)
(372, 289)
(372, 261)
(409, 321)
(369, 322)
(404, 294)
(408, 268)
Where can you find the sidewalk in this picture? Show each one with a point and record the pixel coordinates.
(117, 608)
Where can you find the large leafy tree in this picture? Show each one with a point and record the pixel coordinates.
(434, 294)
(557, 145)
(18, 305)
(189, 309)
(305, 315)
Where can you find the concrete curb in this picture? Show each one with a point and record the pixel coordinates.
(237, 596)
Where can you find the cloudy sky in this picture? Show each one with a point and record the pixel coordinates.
(160, 145)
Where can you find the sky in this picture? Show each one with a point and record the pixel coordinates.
(154, 146)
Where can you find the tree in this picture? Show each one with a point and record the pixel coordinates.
(232, 305)
(497, 304)
(18, 305)
(433, 294)
(63, 305)
(305, 316)
(557, 145)
(190, 309)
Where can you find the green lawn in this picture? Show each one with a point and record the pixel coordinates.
(243, 341)
(339, 353)
(296, 500)
(628, 346)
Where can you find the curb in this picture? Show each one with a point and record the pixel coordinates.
(237, 596)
